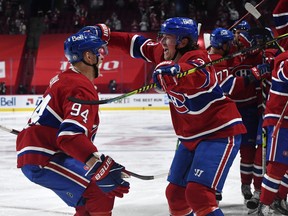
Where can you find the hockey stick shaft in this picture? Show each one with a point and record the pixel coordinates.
(185, 73)
(143, 177)
(263, 156)
(146, 177)
(9, 130)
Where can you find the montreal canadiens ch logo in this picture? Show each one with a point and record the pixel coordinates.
(242, 70)
(179, 102)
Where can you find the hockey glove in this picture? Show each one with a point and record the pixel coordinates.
(261, 71)
(103, 32)
(107, 175)
(166, 68)
(100, 30)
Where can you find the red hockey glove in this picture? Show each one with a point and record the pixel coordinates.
(107, 174)
(166, 68)
(261, 71)
(100, 30)
(103, 31)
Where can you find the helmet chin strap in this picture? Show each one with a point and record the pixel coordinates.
(226, 51)
(96, 70)
(176, 53)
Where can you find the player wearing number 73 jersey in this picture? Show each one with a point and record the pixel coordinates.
(56, 149)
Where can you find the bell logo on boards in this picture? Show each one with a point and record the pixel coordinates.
(7, 101)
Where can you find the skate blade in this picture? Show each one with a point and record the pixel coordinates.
(252, 211)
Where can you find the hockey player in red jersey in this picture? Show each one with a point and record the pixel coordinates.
(280, 18)
(249, 104)
(221, 44)
(240, 82)
(243, 26)
(274, 187)
(221, 41)
(205, 121)
(56, 150)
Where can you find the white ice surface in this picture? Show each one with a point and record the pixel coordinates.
(143, 141)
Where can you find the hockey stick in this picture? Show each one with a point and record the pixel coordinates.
(256, 14)
(238, 21)
(143, 177)
(199, 28)
(185, 73)
(146, 177)
(9, 130)
(252, 10)
(263, 104)
(243, 17)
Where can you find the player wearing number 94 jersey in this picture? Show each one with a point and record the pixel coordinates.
(56, 150)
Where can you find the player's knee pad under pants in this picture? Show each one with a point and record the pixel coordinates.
(176, 200)
(200, 198)
(195, 196)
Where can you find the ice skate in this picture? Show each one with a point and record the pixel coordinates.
(252, 211)
(264, 210)
(246, 192)
(218, 197)
(253, 203)
(280, 207)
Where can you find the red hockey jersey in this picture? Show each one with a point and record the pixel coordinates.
(278, 94)
(58, 124)
(280, 18)
(199, 109)
(252, 94)
(231, 85)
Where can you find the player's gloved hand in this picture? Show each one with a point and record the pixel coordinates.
(101, 30)
(261, 71)
(165, 68)
(107, 174)
(270, 60)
